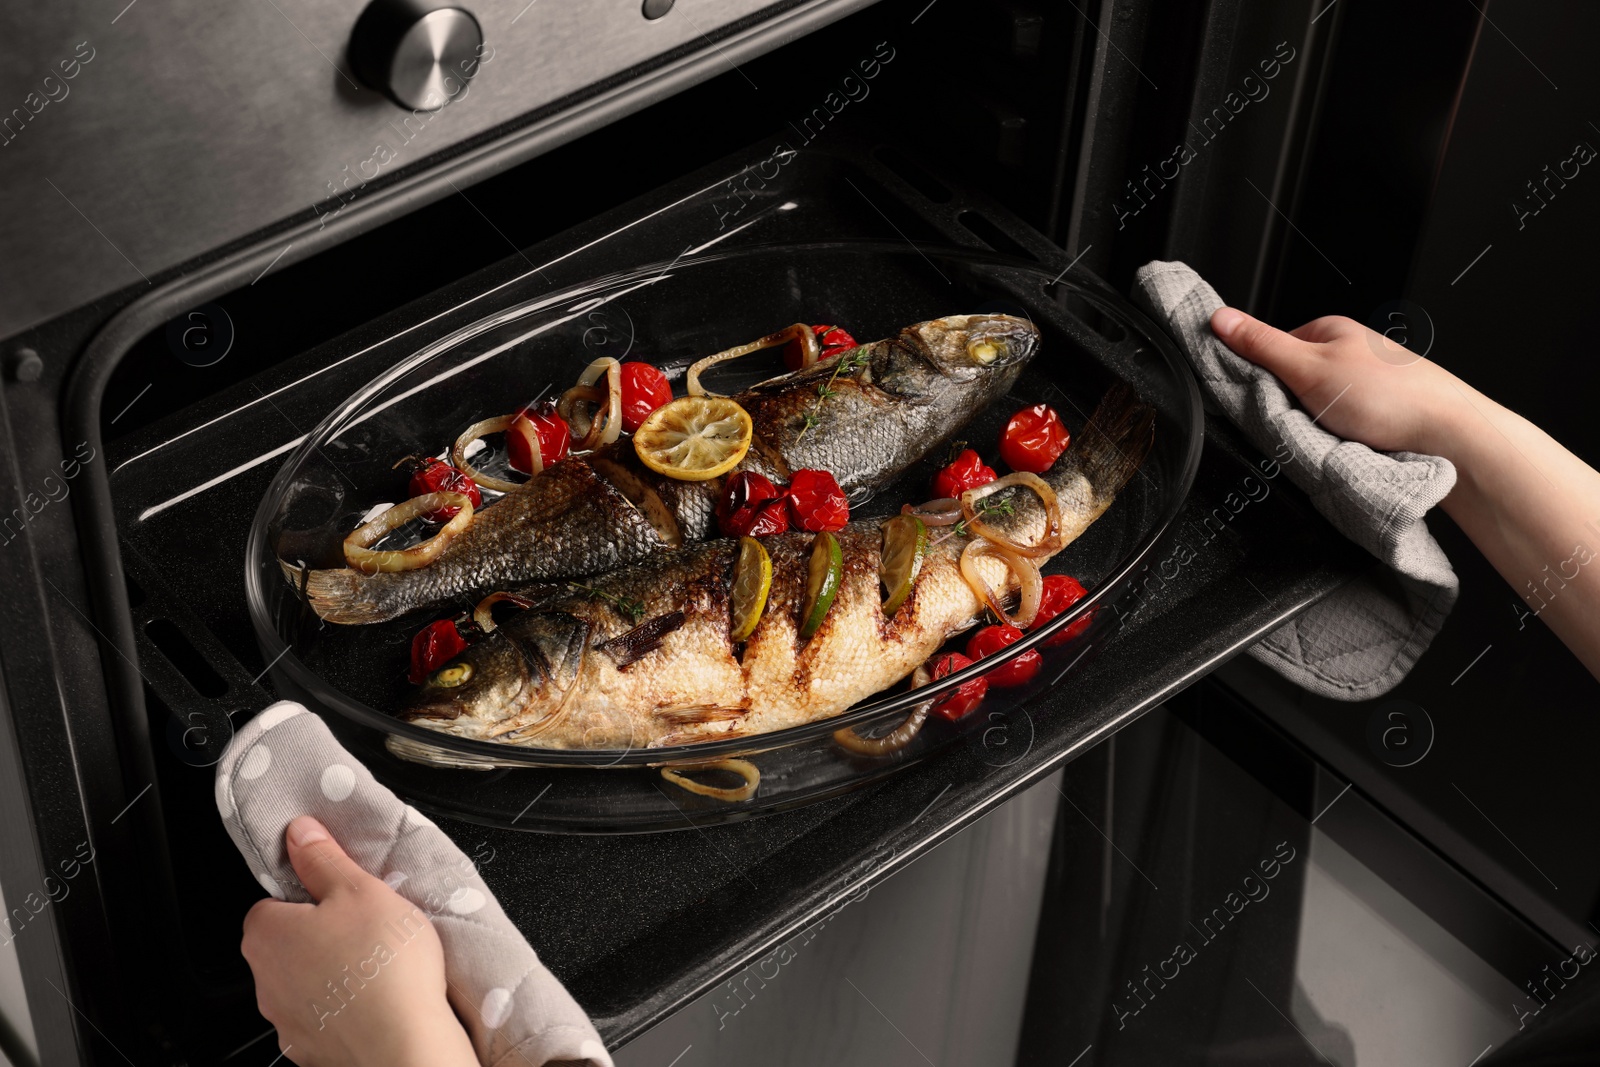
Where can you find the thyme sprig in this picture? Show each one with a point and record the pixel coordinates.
(985, 507)
(848, 363)
(634, 609)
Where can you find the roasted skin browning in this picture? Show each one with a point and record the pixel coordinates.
(552, 676)
(901, 399)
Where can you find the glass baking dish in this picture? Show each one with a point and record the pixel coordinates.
(672, 314)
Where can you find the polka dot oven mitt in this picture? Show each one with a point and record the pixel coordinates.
(285, 763)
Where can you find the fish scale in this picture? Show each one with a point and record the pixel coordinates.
(904, 397)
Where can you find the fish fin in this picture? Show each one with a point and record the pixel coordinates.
(684, 737)
(684, 715)
(633, 645)
(1116, 441)
(343, 595)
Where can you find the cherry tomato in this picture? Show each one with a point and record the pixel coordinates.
(1033, 439)
(435, 645)
(816, 502)
(965, 698)
(643, 390)
(1019, 670)
(771, 517)
(831, 340)
(437, 476)
(1060, 593)
(967, 472)
(541, 423)
(749, 501)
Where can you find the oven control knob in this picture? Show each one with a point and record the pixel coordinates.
(418, 52)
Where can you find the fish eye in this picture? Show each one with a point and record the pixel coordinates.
(985, 352)
(450, 677)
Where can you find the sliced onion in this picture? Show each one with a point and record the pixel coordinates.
(808, 356)
(743, 768)
(1048, 545)
(535, 450)
(595, 431)
(1028, 577)
(895, 739)
(483, 614)
(359, 554)
(946, 511)
(458, 453)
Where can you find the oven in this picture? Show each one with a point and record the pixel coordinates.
(224, 222)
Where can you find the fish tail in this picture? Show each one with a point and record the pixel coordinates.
(346, 596)
(1115, 442)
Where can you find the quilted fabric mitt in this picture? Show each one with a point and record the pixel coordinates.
(285, 763)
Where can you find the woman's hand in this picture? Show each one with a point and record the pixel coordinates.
(1529, 505)
(1355, 382)
(356, 978)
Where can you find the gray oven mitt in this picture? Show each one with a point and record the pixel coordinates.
(285, 763)
(1362, 639)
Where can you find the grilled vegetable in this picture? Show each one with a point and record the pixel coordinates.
(905, 542)
(540, 679)
(436, 476)
(816, 502)
(644, 389)
(822, 582)
(1019, 670)
(965, 698)
(910, 393)
(1033, 439)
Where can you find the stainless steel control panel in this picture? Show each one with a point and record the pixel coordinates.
(137, 135)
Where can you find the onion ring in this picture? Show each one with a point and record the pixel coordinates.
(808, 354)
(743, 768)
(1028, 577)
(1049, 544)
(483, 614)
(895, 739)
(458, 452)
(946, 511)
(359, 554)
(591, 430)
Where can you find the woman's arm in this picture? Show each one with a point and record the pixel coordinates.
(1531, 506)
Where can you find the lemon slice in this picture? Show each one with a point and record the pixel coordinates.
(827, 569)
(752, 580)
(905, 542)
(694, 438)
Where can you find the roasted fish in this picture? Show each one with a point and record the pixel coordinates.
(578, 671)
(590, 514)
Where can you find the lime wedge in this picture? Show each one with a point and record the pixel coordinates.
(827, 568)
(905, 542)
(752, 580)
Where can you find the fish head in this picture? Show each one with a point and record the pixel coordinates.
(965, 347)
(522, 671)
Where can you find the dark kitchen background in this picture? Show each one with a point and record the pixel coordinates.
(1423, 168)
